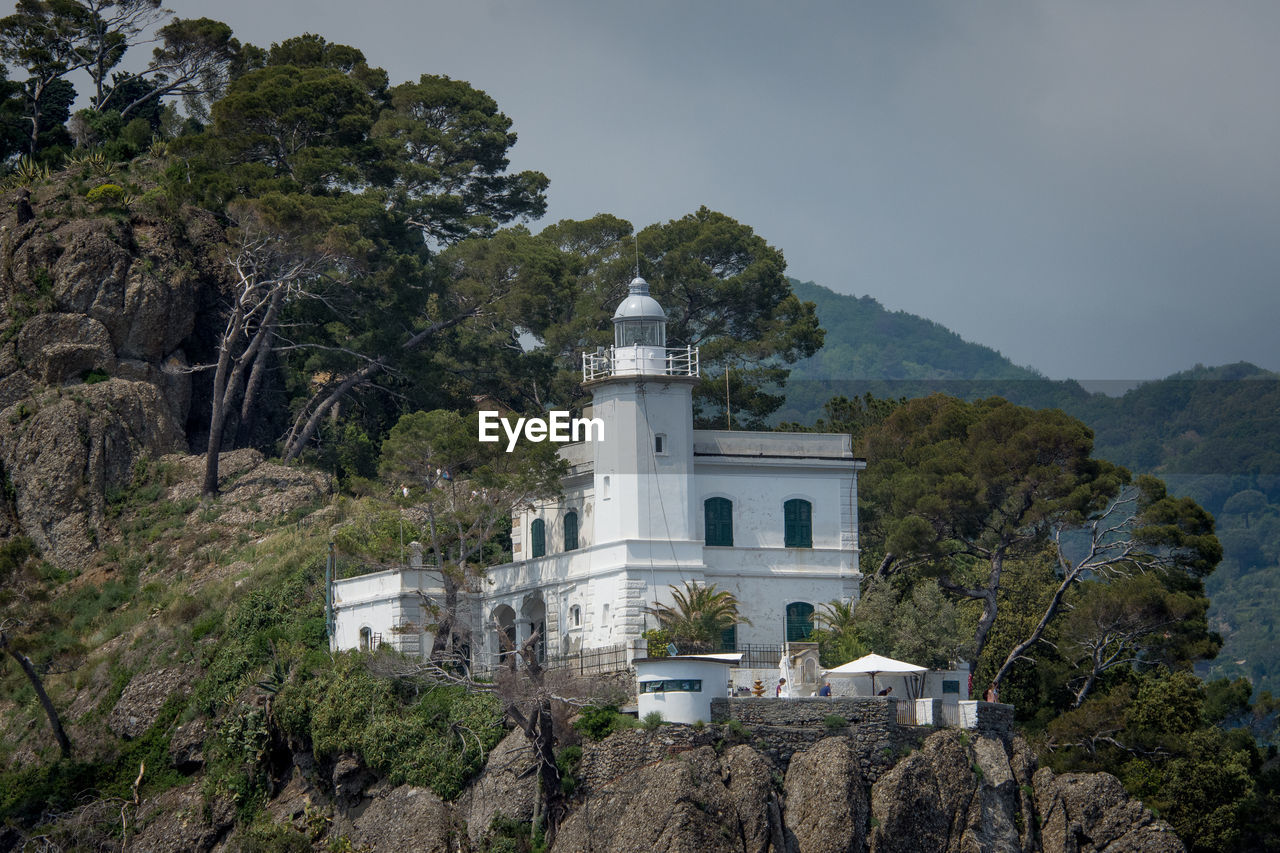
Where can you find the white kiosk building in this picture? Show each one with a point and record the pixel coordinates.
(769, 516)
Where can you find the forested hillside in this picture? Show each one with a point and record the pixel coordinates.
(1210, 433)
(250, 299)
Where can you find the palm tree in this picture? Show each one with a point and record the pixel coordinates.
(701, 613)
(834, 616)
(836, 633)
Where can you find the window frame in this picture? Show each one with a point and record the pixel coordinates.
(571, 544)
(537, 538)
(717, 525)
(797, 523)
(803, 625)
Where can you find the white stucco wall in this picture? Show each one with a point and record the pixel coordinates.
(681, 706)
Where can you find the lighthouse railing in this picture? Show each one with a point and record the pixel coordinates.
(606, 363)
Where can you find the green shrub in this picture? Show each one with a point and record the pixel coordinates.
(658, 639)
(835, 723)
(106, 195)
(568, 761)
(652, 720)
(435, 738)
(597, 722)
(14, 553)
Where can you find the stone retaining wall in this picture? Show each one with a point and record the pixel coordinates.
(786, 726)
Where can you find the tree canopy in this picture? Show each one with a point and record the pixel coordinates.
(955, 490)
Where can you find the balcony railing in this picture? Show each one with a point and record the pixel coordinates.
(639, 361)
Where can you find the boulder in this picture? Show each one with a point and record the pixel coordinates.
(65, 450)
(951, 795)
(146, 303)
(1090, 812)
(59, 348)
(679, 805)
(748, 776)
(186, 747)
(180, 821)
(406, 818)
(826, 802)
(143, 696)
(507, 786)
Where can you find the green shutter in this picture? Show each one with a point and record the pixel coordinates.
(799, 621)
(538, 532)
(570, 531)
(729, 639)
(718, 515)
(797, 518)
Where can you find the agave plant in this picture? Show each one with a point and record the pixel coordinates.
(700, 613)
(86, 159)
(27, 171)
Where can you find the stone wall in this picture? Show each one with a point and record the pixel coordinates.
(994, 718)
(784, 727)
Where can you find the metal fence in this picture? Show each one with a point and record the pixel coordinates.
(605, 659)
(758, 656)
(754, 655)
(591, 661)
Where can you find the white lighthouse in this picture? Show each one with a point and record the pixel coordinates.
(644, 467)
(769, 516)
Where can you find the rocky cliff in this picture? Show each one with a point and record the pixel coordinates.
(676, 789)
(101, 313)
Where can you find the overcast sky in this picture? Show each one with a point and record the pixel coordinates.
(1091, 188)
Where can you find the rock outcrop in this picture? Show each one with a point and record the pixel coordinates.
(682, 805)
(1088, 812)
(507, 788)
(65, 449)
(957, 793)
(826, 801)
(97, 317)
(143, 697)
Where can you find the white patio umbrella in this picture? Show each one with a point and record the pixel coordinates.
(875, 664)
(784, 671)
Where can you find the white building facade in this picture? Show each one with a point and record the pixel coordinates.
(769, 516)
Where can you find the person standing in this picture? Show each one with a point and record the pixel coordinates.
(780, 692)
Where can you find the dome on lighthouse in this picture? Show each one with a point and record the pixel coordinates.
(639, 320)
(639, 305)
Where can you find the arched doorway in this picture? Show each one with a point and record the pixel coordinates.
(505, 617)
(533, 616)
(799, 621)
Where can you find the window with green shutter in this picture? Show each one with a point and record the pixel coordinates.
(799, 621)
(729, 639)
(797, 519)
(538, 533)
(719, 521)
(570, 530)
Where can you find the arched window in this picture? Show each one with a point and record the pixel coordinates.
(366, 639)
(570, 530)
(718, 513)
(538, 533)
(799, 621)
(797, 520)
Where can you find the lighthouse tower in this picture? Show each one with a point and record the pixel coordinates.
(643, 469)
